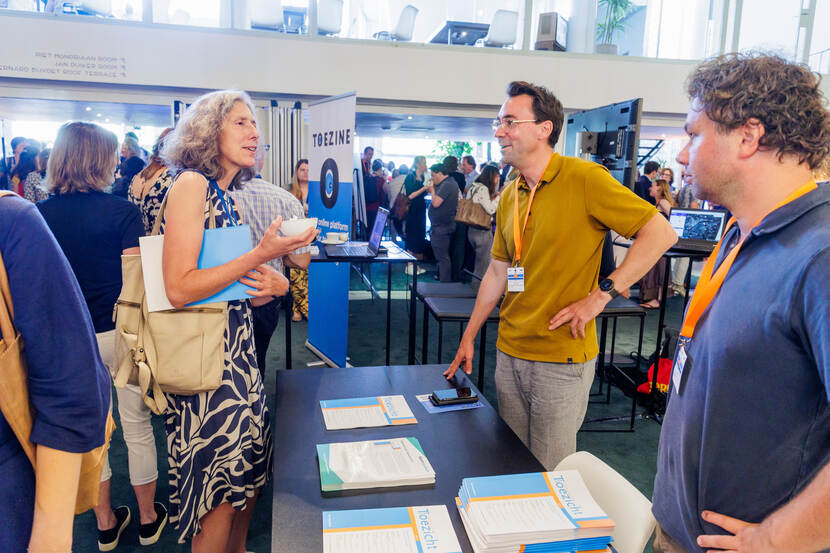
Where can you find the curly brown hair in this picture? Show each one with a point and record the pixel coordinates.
(785, 97)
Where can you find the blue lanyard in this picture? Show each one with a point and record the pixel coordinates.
(228, 211)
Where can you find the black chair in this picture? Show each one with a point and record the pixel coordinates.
(439, 290)
(617, 308)
(455, 310)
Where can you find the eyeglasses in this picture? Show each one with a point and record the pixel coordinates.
(509, 124)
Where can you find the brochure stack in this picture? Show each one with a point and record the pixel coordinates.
(541, 512)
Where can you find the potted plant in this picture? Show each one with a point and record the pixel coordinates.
(611, 24)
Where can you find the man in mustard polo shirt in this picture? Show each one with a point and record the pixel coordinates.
(547, 345)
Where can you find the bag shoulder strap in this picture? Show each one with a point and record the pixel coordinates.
(211, 220)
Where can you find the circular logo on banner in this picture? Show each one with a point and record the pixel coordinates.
(329, 183)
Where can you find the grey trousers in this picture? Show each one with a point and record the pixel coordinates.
(482, 242)
(544, 403)
(441, 239)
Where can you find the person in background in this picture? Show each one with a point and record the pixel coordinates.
(667, 175)
(69, 387)
(150, 186)
(366, 163)
(298, 275)
(416, 218)
(18, 144)
(468, 169)
(643, 183)
(34, 188)
(461, 253)
(395, 187)
(373, 193)
(484, 192)
(219, 441)
(680, 265)
(547, 344)
(651, 285)
(94, 229)
(444, 191)
(261, 202)
(505, 170)
(26, 165)
(743, 463)
(127, 171)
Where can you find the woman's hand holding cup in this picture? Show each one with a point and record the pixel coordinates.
(273, 245)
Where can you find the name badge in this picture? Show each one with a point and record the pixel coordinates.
(679, 366)
(515, 279)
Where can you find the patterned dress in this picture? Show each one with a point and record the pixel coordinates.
(150, 203)
(219, 442)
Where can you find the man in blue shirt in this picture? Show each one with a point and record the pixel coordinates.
(744, 457)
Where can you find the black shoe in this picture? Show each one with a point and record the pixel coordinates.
(108, 539)
(148, 534)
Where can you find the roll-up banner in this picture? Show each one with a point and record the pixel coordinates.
(330, 170)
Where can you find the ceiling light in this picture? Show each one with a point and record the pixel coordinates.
(97, 115)
(88, 108)
(663, 135)
(409, 117)
(107, 120)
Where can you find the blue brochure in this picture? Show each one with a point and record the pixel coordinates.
(220, 245)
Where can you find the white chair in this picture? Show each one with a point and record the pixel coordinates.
(403, 30)
(329, 16)
(502, 32)
(267, 14)
(624, 503)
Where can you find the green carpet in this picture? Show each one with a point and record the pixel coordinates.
(632, 454)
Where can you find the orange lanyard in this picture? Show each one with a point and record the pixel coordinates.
(708, 285)
(518, 235)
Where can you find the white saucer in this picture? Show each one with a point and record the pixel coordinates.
(332, 242)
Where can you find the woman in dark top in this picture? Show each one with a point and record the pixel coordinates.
(416, 219)
(94, 229)
(68, 386)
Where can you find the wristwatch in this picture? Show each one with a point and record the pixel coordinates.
(607, 285)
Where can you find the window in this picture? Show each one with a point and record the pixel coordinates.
(771, 25)
(820, 43)
(202, 13)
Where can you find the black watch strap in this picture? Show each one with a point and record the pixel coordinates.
(607, 285)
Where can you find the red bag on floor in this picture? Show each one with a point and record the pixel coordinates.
(663, 377)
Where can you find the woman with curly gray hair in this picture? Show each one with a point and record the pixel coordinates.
(219, 442)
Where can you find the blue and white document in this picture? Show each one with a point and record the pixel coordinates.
(395, 530)
(366, 412)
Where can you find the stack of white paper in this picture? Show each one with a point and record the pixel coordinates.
(396, 530)
(362, 412)
(373, 464)
(541, 512)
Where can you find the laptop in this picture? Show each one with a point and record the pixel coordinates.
(362, 250)
(698, 229)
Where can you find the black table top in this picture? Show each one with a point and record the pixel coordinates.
(460, 32)
(458, 444)
(394, 254)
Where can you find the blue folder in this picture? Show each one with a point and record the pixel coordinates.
(220, 245)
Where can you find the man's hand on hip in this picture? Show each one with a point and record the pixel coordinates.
(745, 537)
(579, 313)
(463, 358)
